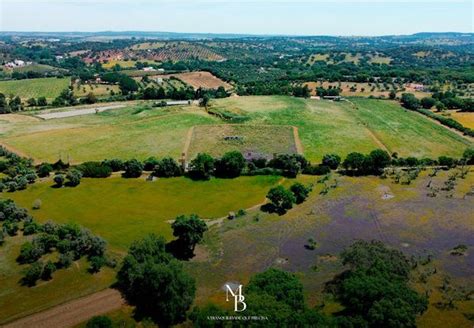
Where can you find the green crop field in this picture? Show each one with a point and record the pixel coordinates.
(122, 210)
(34, 88)
(324, 127)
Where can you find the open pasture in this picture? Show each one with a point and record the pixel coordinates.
(34, 88)
(356, 209)
(466, 119)
(122, 210)
(98, 90)
(257, 140)
(324, 127)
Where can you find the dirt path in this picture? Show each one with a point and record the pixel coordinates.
(377, 140)
(187, 143)
(72, 313)
(79, 112)
(298, 144)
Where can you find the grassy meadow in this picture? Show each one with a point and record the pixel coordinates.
(122, 210)
(17, 301)
(49, 87)
(324, 127)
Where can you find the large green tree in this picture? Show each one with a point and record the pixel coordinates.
(154, 282)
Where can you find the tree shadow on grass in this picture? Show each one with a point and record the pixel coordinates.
(179, 251)
(270, 208)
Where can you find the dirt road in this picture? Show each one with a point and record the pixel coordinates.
(72, 313)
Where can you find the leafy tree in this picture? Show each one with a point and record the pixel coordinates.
(281, 199)
(375, 289)
(167, 167)
(354, 162)
(44, 170)
(32, 102)
(300, 192)
(155, 283)
(42, 102)
(115, 164)
(48, 271)
(90, 98)
(133, 169)
(150, 163)
(94, 170)
(33, 274)
(428, 102)
(230, 165)
(190, 231)
(283, 286)
(376, 161)
(468, 156)
(331, 160)
(409, 101)
(290, 165)
(446, 161)
(96, 263)
(73, 177)
(202, 167)
(59, 180)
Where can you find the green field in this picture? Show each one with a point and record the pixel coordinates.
(324, 127)
(262, 140)
(122, 210)
(34, 88)
(17, 301)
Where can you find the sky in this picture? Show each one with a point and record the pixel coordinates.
(299, 17)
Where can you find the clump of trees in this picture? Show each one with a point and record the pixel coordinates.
(282, 199)
(133, 169)
(360, 164)
(155, 282)
(375, 290)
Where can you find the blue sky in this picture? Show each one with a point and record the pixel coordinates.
(307, 17)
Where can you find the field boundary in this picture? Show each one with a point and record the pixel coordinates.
(72, 312)
(190, 134)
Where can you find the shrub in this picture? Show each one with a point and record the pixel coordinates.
(317, 170)
(115, 164)
(230, 165)
(300, 192)
(409, 101)
(133, 169)
(33, 274)
(48, 271)
(74, 177)
(31, 228)
(468, 156)
(44, 170)
(65, 260)
(150, 163)
(59, 180)
(36, 204)
(331, 160)
(96, 263)
(446, 161)
(281, 199)
(166, 168)
(201, 167)
(94, 170)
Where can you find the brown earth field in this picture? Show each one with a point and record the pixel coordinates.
(203, 80)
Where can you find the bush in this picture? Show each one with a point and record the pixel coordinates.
(59, 180)
(96, 263)
(48, 271)
(331, 160)
(33, 274)
(44, 170)
(133, 169)
(300, 192)
(281, 199)
(409, 101)
(36, 204)
(31, 228)
(150, 163)
(449, 162)
(94, 170)
(201, 167)
(230, 165)
(317, 170)
(74, 177)
(166, 168)
(115, 164)
(290, 165)
(65, 260)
